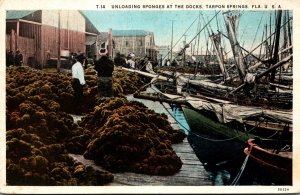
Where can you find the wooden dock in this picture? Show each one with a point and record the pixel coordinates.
(192, 172)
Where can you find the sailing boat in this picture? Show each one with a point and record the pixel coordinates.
(240, 103)
(252, 104)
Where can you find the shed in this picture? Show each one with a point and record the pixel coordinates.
(42, 35)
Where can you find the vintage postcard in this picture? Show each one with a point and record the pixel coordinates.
(149, 97)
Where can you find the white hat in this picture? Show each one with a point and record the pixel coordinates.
(102, 52)
(132, 55)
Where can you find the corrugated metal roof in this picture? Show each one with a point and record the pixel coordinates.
(18, 14)
(129, 33)
(90, 26)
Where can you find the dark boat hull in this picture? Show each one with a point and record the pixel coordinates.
(221, 154)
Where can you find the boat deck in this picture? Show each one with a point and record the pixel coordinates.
(192, 172)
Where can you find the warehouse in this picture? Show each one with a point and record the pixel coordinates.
(41, 35)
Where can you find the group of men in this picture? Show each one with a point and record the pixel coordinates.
(143, 64)
(12, 59)
(104, 67)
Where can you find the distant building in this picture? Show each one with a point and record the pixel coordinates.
(38, 34)
(139, 42)
(164, 53)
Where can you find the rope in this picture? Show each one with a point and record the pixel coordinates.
(273, 134)
(142, 67)
(180, 38)
(238, 176)
(151, 82)
(191, 132)
(197, 33)
(257, 31)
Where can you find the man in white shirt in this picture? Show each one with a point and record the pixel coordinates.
(131, 62)
(78, 82)
(149, 67)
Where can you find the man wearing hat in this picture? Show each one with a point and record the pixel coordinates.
(78, 82)
(104, 67)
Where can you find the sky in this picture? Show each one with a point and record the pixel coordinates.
(251, 24)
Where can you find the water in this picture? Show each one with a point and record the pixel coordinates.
(223, 166)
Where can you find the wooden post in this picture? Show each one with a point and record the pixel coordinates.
(13, 40)
(110, 44)
(17, 36)
(98, 42)
(58, 45)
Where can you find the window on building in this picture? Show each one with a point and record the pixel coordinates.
(141, 43)
(126, 43)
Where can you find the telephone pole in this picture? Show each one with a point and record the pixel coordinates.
(184, 50)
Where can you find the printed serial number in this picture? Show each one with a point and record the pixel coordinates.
(283, 189)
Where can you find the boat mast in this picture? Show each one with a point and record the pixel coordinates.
(271, 41)
(261, 46)
(216, 41)
(285, 37)
(237, 52)
(276, 46)
(289, 31)
(266, 44)
(198, 37)
(274, 60)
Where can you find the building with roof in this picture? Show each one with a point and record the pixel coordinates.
(139, 42)
(42, 35)
(163, 53)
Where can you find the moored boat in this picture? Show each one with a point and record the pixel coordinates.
(235, 121)
(272, 156)
(199, 122)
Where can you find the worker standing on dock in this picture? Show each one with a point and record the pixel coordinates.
(9, 58)
(105, 67)
(78, 82)
(18, 58)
